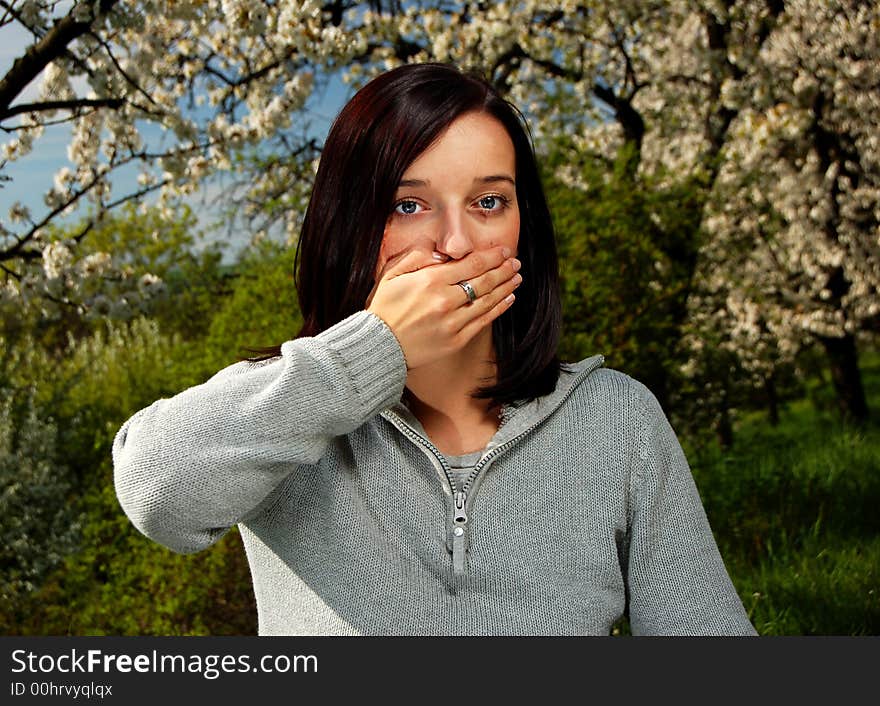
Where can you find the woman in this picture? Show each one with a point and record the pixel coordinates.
(417, 461)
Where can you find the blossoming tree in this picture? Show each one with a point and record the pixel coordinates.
(772, 104)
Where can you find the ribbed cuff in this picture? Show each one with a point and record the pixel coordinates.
(372, 356)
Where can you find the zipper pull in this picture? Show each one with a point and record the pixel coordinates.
(459, 533)
(460, 515)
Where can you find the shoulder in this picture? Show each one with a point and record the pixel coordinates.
(608, 406)
(607, 391)
(630, 415)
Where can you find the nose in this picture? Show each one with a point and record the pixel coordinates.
(454, 238)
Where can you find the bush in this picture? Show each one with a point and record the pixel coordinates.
(121, 583)
(261, 312)
(100, 587)
(626, 247)
(38, 523)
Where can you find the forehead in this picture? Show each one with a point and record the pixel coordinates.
(475, 144)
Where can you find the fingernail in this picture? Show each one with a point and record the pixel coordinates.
(516, 265)
(438, 256)
(506, 252)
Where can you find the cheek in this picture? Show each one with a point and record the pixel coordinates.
(383, 256)
(511, 236)
(507, 235)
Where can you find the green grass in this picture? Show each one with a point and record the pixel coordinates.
(794, 509)
(827, 586)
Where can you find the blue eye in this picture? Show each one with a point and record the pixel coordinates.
(406, 208)
(492, 202)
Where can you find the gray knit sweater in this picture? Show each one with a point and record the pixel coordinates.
(581, 507)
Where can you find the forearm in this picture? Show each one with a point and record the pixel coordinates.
(189, 467)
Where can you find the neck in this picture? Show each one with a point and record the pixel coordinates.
(441, 392)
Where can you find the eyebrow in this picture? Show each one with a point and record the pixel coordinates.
(493, 179)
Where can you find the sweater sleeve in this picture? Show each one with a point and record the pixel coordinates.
(188, 468)
(678, 584)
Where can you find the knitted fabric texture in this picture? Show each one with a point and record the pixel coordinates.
(581, 508)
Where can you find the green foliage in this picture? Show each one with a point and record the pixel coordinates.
(139, 243)
(793, 508)
(94, 381)
(38, 525)
(92, 386)
(827, 587)
(99, 589)
(773, 488)
(172, 249)
(74, 384)
(626, 250)
(121, 583)
(261, 312)
(146, 241)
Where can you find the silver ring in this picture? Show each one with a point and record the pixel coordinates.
(471, 294)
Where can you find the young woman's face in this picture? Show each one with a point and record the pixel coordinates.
(459, 195)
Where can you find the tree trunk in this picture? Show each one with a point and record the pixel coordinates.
(772, 400)
(844, 363)
(724, 424)
(725, 430)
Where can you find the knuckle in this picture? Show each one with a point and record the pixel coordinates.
(445, 305)
(447, 330)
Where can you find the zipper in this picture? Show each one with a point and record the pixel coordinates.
(460, 497)
(459, 533)
(463, 497)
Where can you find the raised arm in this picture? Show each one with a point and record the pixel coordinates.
(188, 468)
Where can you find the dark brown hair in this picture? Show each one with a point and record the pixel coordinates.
(377, 135)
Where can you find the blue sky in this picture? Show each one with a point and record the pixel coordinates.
(33, 175)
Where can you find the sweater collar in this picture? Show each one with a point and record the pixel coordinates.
(516, 419)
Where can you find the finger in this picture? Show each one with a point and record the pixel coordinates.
(497, 277)
(506, 272)
(484, 319)
(410, 261)
(484, 303)
(403, 263)
(474, 264)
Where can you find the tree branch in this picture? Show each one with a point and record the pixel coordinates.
(10, 11)
(37, 56)
(122, 71)
(13, 273)
(630, 71)
(74, 104)
(137, 194)
(629, 118)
